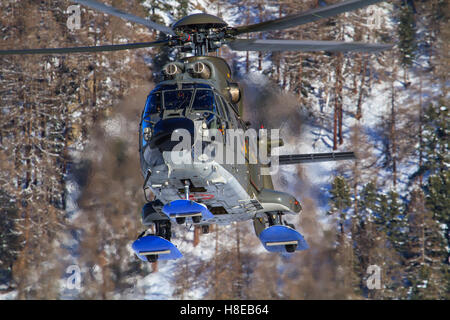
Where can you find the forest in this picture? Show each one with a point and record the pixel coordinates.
(71, 187)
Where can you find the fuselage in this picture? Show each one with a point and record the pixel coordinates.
(193, 100)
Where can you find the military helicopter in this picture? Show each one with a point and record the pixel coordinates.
(197, 96)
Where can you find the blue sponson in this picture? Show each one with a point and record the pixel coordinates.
(186, 208)
(275, 238)
(154, 245)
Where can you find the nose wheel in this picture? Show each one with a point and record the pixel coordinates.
(195, 218)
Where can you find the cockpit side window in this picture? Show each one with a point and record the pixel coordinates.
(204, 100)
(177, 99)
(225, 107)
(232, 114)
(154, 104)
(220, 108)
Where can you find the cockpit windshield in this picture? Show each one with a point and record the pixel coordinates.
(177, 99)
(197, 98)
(204, 100)
(171, 97)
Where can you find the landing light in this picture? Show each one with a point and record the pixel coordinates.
(147, 133)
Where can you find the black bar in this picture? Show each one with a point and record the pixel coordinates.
(315, 157)
(226, 309)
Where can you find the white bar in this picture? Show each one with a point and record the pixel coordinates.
(188, 214)
(280, 243)
(150, 253)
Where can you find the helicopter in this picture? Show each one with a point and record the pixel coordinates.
(198, 100)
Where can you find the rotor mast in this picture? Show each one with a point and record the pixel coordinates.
(200, 33)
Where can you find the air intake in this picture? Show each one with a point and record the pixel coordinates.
(201, 70)
(171, 70)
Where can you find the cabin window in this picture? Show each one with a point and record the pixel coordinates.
(177, 99)
(204, 100)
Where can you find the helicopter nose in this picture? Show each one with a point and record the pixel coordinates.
(163, 130)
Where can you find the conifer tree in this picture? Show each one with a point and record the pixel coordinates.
(10, 244)
(424, 268)
(437, 199)
(364, 233)
(340, 195)
(436, 137)
(395, 221)
(407, 35)
(340, 204)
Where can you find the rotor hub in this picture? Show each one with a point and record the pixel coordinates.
(198, 20)
(201, 33)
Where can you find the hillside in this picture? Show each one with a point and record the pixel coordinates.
(71, 187)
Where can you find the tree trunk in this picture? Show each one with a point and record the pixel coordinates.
(196, 235)
(358, 115)
(337, 127)
(393, 136)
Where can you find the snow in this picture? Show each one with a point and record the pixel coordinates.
(11, 295)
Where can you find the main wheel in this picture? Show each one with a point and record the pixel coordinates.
(196, 219)
(180, 220)
(152, 258)
(290, 247)
(163, 229)
(205, 229)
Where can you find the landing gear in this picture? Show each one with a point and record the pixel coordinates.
(180, 220)
(195, 219)
(275, 219)
(163, 229)
(290, 247)
(182, 209)
(157, 246)
(205, 229)
(277, 235)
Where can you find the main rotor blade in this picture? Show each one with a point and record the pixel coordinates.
(127, 16)
(112, 47)
(306, 17)
(304, 45)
